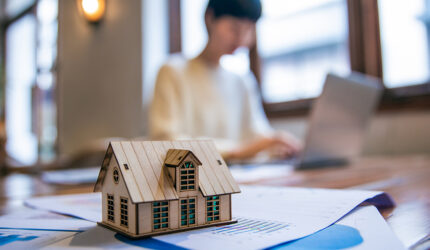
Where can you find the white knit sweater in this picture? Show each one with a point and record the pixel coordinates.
(194, 100)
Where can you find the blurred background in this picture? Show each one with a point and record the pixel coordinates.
(67, 84)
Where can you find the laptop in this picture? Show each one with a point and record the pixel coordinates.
(339, 120)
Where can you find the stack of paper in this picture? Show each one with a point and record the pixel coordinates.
(267, 217)
(270, 216)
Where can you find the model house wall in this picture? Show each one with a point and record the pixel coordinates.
(145, 223)
(117, 190)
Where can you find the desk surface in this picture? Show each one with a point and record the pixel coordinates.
(405, 178)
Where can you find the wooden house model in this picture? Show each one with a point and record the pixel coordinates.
(155, 187)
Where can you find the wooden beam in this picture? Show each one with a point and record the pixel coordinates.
(175, 29)
(364, 37)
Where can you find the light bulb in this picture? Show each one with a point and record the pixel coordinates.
(93, 10)
(90, 6)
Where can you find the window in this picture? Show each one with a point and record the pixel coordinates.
(405, 27)
(124, 212)
(29, 36)
(194, 36)
(188, 212)
(212, 208)
(187, 176)
(116, 176)
(20, 77)
(299, 42)
(14, 7)
(46, 56)
(110, 208)
(160, 212)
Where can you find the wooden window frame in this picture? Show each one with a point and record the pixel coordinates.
(115, 175)
(188, 186)
(124, 211)
(110, 212)
(186, 205)
(366, 57)
(158, 215)
(211, 207)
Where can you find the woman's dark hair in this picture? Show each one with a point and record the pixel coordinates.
(247, 9)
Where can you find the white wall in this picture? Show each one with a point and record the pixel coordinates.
(389, 133)
(102, 67)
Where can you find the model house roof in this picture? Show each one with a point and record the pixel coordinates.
(141, 165)
(175, 156)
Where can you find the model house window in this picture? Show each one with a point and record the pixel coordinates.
(187, 176)
(124, 212)
(212, 208)
(188, 212)
(110, 208)
(116, 175)
(160, 215)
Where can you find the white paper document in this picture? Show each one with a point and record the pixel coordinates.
(363, 228)
(30, 239)
(43, 220)
(365, 223)
(31, 228)
(267, 215)
(84, 206)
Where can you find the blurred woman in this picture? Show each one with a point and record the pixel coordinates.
(198, 98)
